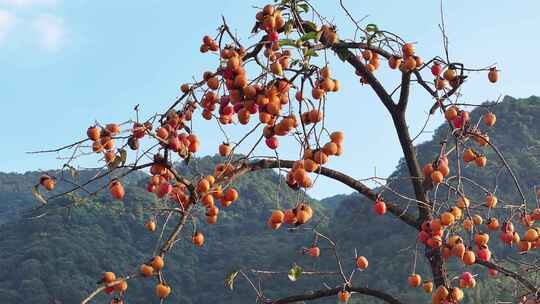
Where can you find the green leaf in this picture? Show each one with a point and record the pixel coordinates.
(309, 36)
(372, 27)
(123, 156)
(304, 7)
(287, 42)
(229, 279)
(296, 62)
(310, 53)
(372, 38)
(76, 199)
(115, 163)
(72, 171)
(309, 26)
(288, 27)
(294, 272)
(38, 195)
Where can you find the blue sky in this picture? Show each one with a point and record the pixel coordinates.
(66, 63)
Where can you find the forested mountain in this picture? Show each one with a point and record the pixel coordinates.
(16, 198)
(58, 258)
(516, 134)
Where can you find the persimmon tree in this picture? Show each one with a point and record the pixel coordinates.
(279, 86)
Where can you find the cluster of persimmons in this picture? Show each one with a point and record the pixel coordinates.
(229, 95)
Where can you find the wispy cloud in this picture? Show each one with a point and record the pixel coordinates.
(50, 30)
(26, 20)
(27, 3)
(7, 22)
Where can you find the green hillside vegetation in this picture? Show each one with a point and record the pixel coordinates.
(59, 257)
(516, 134)
(15, 196)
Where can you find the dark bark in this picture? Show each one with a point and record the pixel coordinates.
(398, 117)
(412, 164)
(336, 175)
(438, 269)
(333, 292)
(404, 92)
(381, 92)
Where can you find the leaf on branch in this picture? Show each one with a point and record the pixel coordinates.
(76, 199)
(72, 171)
(229, 279)
(288, 27)
(309, 26)
(287, 42)
(38, 195)
(294, 272)
(372, 28)
(304, 7)
(118, 160)
(310, 53)
(114, 164)
(309, 36)
(370, 38)
(296, 62)
(123, 156)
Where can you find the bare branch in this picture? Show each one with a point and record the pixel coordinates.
(317, 294)
(336, 175)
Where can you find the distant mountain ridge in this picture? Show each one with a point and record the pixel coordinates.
(15, 194)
